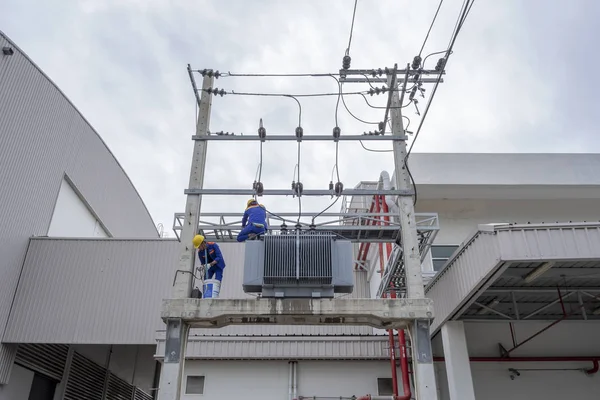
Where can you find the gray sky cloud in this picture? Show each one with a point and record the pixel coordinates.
(512, 82)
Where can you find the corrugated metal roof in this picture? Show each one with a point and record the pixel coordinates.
(42, 137)
(110, 291)
(483, 259)
(368, 348)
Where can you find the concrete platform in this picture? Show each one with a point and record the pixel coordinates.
(377, 313)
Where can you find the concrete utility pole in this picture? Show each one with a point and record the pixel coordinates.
(425, 383)
(177, 329)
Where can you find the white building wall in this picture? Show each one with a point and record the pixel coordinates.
(19, 386)
(459, 218)
(268, 380)
(538, 380)
(72, 217)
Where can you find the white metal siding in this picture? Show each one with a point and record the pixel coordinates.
(42, 137)
(92, 291)
(110, 291)
(322, 348)
(480, 257)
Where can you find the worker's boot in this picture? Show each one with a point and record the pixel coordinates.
(252, 236)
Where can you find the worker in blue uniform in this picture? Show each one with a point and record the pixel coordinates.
(210, 254)
(254, 221)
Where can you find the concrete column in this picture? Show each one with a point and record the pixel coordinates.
(458, 368)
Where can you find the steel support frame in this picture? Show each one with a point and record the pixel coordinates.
(427, 224)
(177, 330)
(306, 192)
(423, 367)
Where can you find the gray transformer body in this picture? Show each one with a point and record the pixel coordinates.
(299, 265)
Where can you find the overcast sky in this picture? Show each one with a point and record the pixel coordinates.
(521, 79)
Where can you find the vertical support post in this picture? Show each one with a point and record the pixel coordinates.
(458, 367)
(62, 385)
(408, 224)
(177, 331)
(425, 384)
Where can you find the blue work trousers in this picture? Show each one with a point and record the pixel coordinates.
(247, 230)
(216, 272)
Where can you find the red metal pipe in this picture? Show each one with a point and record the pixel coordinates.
(401, 335)
(363, 250)
(404, 366)
(393, 363)
(594, 369)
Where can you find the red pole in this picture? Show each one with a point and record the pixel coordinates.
(363, 250)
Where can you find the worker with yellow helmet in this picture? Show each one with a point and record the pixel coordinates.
(254, 221)
(210, 253)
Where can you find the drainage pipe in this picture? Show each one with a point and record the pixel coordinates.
(291, 381)
(593, 370)
(295, 380)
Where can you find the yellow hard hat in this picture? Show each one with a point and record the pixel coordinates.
(249, 202)
(198, 239)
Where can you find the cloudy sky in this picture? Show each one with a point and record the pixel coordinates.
(512, 83)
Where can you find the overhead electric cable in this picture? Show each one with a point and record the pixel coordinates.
(382, 107)
(291, 75)
(351, 28)
(430, 27)
(464, 13)
(325, 209)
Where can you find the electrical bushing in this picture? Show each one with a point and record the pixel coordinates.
(440, 64)
(337, 132)
(416, 62)
(346, 62)
(259, 188)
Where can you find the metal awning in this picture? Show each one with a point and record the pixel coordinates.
(521, 272)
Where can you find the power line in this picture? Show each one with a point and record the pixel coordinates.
(382, 107)
(325, 209)
(430, 27)
(351, 28)
(463, 15)
(302, 74)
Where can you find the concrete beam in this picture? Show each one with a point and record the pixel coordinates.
(377, 313)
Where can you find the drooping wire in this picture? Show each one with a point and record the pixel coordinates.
(431, 26)
(299, 197)
(299, 108)
(432, 54)
(337, 106)
(325, 209)
(341, 96)
(462, 17)
(351, 28)
(382, 107)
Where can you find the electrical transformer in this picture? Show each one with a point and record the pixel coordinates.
(299, 264)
